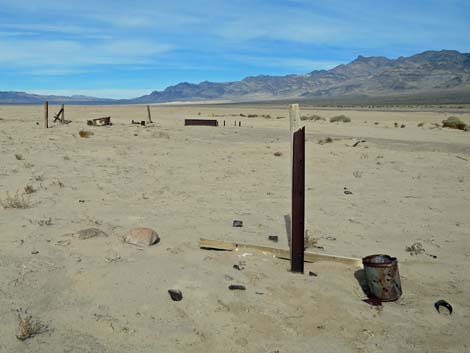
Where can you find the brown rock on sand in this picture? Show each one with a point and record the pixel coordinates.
(142, 237)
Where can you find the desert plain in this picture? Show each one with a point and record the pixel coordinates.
(410, 186)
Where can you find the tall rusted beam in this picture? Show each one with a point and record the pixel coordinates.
(46, 115)
(298, 201)
(62, 119)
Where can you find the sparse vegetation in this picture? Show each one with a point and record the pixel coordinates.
(312, 117)
(28, 327)
(252, 115)
(420, 124)
(19, 157)
(278, 154)
(454, 123)
(280, 117)
(28, 189)
(415, 249)
(402, 126)
(327, 140)
(85, 133)
(340, 119)
(18, 200)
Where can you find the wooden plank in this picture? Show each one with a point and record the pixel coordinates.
(298, 201)
(201, 122)
(62, 120)
(280, 253)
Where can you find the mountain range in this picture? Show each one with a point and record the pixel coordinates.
(427, 72)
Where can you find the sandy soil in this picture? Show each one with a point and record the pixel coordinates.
(102, 295)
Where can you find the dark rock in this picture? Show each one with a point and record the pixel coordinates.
(237, 224)
(175, 295)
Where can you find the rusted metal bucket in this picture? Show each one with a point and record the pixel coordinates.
(382, 277)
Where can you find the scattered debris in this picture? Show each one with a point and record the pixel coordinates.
(18, 200)
(238, 267)
(19, 157)
(415, 249)
(142, 237)
(445, 304)
(113, 259)
(358, 142)
(236, 287)
(346, 191)
(237, 224)
(464, 159)
(106, 121)
(142, 122)
(175, 294)
(28, 327)
(273, 238)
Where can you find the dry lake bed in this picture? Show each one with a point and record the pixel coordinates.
(410, 198)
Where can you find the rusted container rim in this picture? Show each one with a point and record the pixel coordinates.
(379, 260)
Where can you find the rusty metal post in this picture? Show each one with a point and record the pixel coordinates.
(298, 201)
(239, 124)
(149, 114)
(62, 119)
(46, 115)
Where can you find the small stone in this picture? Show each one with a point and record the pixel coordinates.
(142, 237)
(90, 233)
(175, 295)
(238, 224)
(273, 238)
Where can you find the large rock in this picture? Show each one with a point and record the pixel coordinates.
(142, 237)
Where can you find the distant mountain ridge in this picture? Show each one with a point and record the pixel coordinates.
(430, 71)
(366, 76)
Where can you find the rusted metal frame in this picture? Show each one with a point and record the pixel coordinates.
(200, 122)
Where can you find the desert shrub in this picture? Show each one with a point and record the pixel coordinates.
(327, 140)
(28, 189)
(278, 154)
(16, 201)
(28, 327)
(312, 117)
(340, 118)
(420, 124)
(252, 115)
(85, 134)
(19, 157)
(454, 123)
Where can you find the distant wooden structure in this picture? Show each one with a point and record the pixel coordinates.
(60, 115)
(200, 122)
(106, 121)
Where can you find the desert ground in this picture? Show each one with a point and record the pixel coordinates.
(409, 186)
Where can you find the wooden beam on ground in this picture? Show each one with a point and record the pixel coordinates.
(298, 201)
(201, 122)
(280, 253)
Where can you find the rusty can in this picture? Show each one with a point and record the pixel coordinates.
(382, 277)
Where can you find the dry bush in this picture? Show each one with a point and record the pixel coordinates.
(19, 157)
(252, 115)
(85, 133)
(340, 118)
(327, 140)
(28, 327)
(454, 123)
(16, 201)
(243, 115)
(420, 125)
(28, 189)
(310, 241)
(415, 249)
(266, 116)
(280, 117)
(311, 117)
(278, 154)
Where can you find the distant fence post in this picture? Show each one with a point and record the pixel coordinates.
(46, 115)
(149, 114)
(62, 120)
(298, 201)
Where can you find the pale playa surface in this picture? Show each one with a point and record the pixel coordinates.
(102, 295)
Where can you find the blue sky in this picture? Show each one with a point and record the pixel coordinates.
(129, 48)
